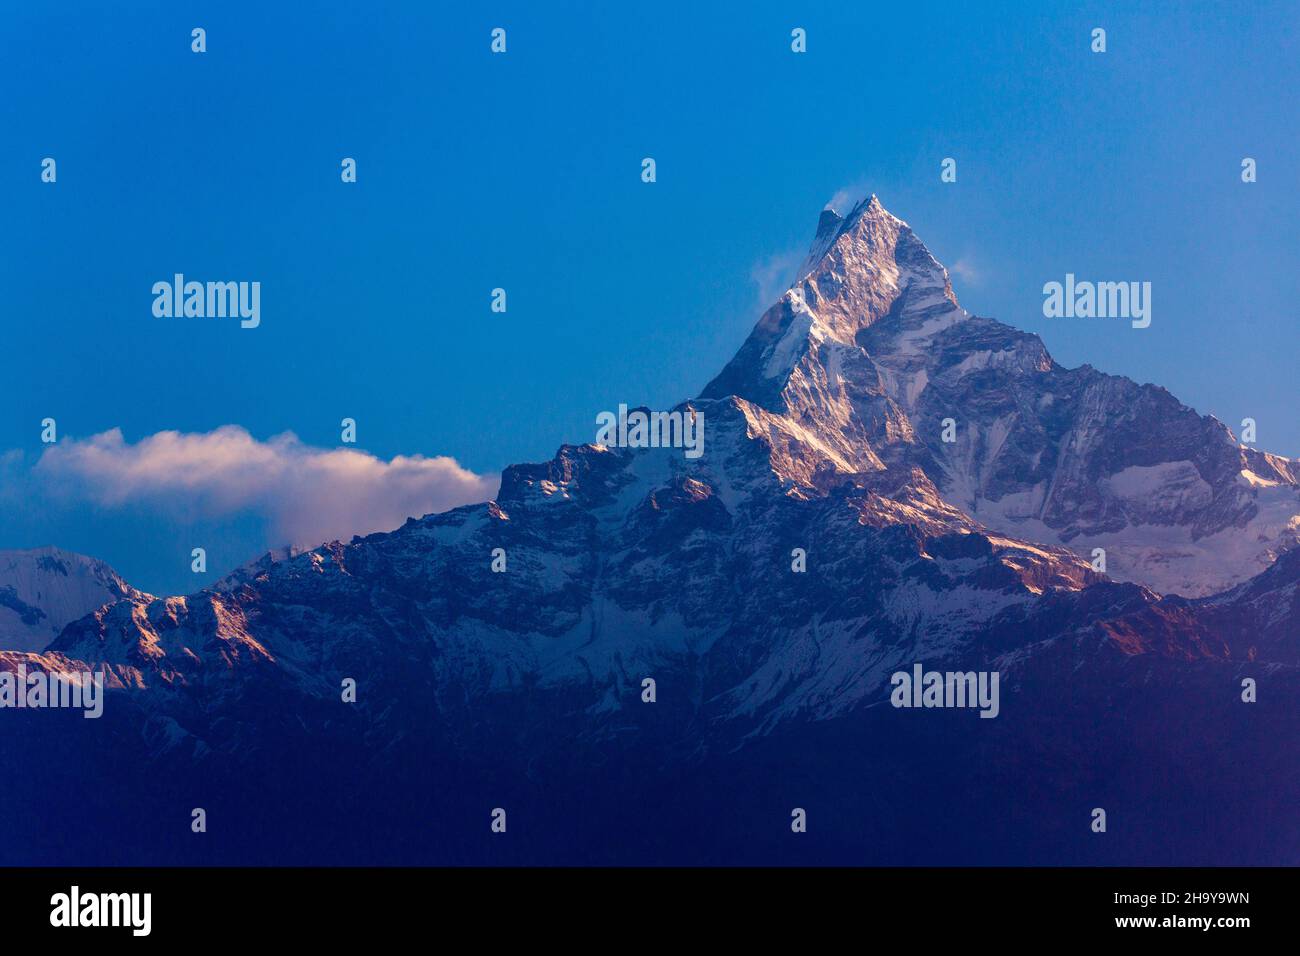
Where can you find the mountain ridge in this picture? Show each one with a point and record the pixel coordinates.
(826, 539)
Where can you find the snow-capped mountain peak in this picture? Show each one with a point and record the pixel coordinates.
(870, 352)
(44, 589)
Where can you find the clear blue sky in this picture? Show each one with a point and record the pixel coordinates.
(522, 171)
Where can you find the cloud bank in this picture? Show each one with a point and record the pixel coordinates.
(308, 495)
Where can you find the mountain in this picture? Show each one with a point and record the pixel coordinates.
(44, 589)
(826, 539)
(870, 352)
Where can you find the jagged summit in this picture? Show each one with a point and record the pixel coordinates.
(832, 224)
(859, 264)
(869, 204)
(870, 354)
(864, 216)
(861, 270)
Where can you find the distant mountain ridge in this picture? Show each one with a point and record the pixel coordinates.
(42, 590)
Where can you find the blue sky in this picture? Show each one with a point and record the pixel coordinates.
(522, 171)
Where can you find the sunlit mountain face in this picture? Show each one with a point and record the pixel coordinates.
(642, 655)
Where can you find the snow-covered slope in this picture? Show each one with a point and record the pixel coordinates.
(43, 589)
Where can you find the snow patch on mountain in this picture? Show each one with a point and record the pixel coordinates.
(1166, 557)
(1163, 491)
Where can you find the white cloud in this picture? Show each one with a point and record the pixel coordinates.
(309, 495)
(774, 274)
(965, 269)
(845, 199)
